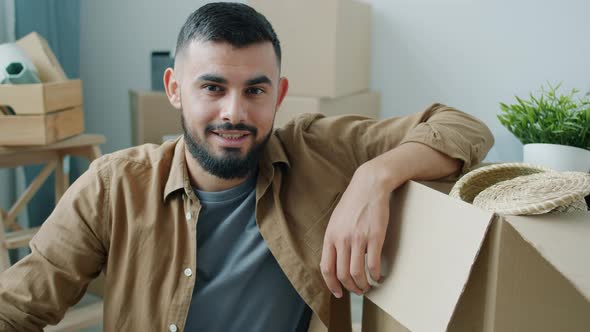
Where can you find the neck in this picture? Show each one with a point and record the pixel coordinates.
(206, 181)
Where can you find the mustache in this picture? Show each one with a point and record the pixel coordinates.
(229, 126)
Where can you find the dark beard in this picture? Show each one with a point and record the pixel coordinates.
(231, 166)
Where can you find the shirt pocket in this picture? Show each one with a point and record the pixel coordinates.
(314, 236)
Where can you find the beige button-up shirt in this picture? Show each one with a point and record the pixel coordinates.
(133, 214)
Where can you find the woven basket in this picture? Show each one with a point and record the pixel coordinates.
(474, 182)
(523, 189)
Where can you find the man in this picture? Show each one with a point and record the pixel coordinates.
(235, 226)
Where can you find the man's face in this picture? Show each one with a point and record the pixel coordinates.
(228, 98)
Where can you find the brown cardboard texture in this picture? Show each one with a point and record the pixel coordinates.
(325, 44)
(22, 130)
(446, 270)
(41, 98)
(38, 50)
(365, 103)
(152, 117)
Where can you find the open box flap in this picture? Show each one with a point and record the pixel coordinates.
(432, 243)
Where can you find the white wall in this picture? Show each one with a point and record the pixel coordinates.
(470, 54)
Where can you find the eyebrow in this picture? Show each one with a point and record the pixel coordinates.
(262, 79)
(211, 78)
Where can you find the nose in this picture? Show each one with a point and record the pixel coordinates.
(233, 110)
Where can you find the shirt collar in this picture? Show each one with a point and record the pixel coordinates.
(178, 178)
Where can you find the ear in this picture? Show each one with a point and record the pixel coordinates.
(283, 88)
(172, 88)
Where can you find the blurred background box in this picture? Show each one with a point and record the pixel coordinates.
(152, 117)
(326, 45)
(364, 103)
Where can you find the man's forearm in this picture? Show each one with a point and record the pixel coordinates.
(411, 161)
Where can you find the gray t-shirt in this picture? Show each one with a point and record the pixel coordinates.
(239, 284)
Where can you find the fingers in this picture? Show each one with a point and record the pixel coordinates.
(374, 248)
(328, 269)
(357, 263)
(343, 268)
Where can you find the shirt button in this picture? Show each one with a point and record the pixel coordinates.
(172, 328)
(188, 216)
(188, 272)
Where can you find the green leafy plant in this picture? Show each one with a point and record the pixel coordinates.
(550, 118)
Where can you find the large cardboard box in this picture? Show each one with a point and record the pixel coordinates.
(152, 117)
(30, 107)
(325, 44)
(450, 266)
(364, 103)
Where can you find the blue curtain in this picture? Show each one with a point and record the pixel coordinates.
(58, 21)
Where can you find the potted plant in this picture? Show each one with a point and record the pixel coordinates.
(554, 128)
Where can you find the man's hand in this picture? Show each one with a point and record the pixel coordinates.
(359, 221)
(356, 227)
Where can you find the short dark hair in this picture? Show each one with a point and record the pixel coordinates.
(235, 23)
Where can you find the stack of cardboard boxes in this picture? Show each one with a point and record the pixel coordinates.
(45, 112)
(326, 52)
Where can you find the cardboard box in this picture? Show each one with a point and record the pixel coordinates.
(40, 53)
(21, 130)
(326, 45)
(365, 103)
(41, 98)
(152, 117)
(450, 266)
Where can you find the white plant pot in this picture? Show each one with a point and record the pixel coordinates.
(557, 157)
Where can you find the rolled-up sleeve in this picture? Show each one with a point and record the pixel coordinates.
(453, 133)
(349, 141)
(66, 254)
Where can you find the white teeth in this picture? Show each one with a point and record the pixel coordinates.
(231, 136)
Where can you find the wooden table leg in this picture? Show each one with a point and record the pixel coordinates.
(60, 178)
(96, 153)
(26, 196)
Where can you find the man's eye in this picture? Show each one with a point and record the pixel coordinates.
(254, 91)
(212, 88)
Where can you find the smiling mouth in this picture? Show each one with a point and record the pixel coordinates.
(230, 135)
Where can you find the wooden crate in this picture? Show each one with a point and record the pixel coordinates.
(41, 98)
(40, 129)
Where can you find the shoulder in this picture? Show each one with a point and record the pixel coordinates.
(135, 160)
(320, 126)
(324, 141)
